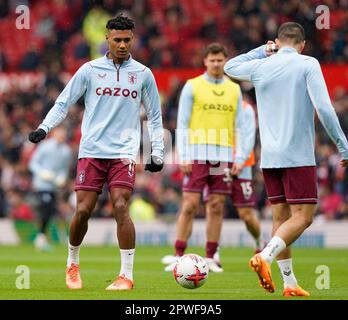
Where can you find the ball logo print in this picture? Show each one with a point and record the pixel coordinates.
(194, 257)
(191, 271)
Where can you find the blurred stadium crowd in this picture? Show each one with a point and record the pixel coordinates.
(170, 34)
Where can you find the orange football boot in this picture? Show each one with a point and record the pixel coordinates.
(263, 270)
(73, 279)
(121, 283)
(295, 292)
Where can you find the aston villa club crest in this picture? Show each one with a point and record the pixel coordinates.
(82, 177)
(132, 77)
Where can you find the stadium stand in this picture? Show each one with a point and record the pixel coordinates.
(170, 34)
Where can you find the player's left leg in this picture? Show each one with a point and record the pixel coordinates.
(121, 179)
(205, 197)
(301, 218)
(280, 214)
(273, 179)
(126, 238)
(214, 218)
(219, 188)
(300, 192)
(276, 248)
(284, 258)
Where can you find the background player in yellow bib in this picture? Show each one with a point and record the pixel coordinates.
(209, 118)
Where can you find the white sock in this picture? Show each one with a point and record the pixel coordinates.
(288, 275)
(73, 255)
(273, 248)
(127, 261)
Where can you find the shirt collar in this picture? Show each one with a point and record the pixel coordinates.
(213, 80)
(124, 63)
(287, 50)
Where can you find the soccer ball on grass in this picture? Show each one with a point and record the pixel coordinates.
(191, 271)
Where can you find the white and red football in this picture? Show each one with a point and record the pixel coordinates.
(191, 271)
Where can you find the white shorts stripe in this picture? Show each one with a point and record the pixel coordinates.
(302, 199)
(282, 196)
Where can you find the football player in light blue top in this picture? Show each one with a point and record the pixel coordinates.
(49, 165)
(289, 87)
(114, 87)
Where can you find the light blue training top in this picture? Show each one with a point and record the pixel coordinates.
(289, 87)
(113, 96)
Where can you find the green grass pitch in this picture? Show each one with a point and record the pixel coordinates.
(100, 265)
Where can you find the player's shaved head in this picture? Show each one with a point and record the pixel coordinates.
(291, 32)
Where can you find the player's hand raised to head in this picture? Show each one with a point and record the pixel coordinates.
(154, 165)
(37, 135)
(271, 48)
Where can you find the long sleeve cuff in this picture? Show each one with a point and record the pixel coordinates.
(44, 127)
(158, 153)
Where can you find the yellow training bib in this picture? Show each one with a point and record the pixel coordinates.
(213, 112)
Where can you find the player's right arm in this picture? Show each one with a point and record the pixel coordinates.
(75, 88)
(183, 123)
(243, 66)
(320, 98)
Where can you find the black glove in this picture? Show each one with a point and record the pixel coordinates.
(37, 136)
(155, 165)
